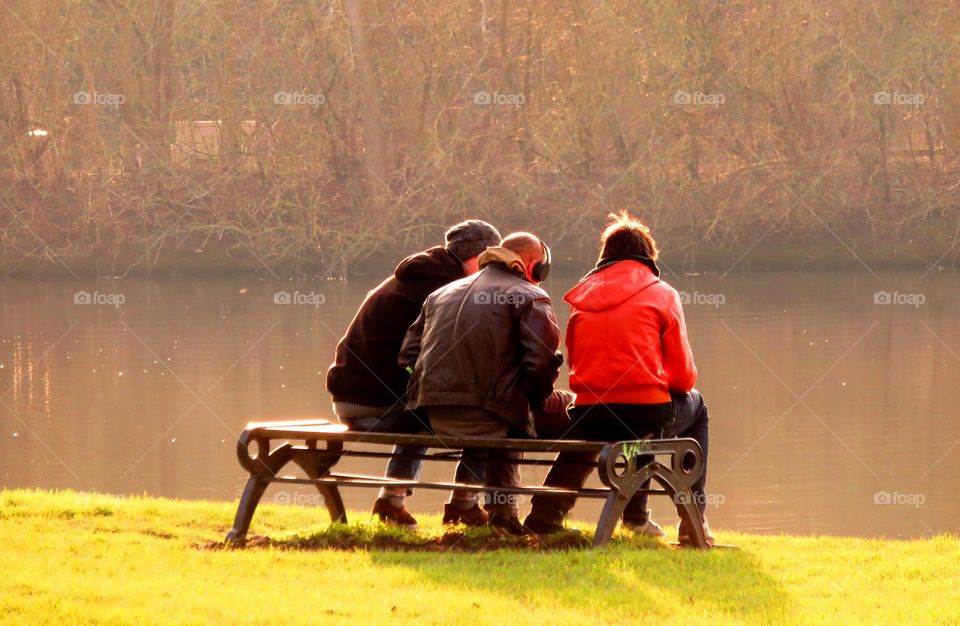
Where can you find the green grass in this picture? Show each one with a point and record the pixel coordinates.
(71, 558)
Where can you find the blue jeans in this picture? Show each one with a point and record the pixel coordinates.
(401, 423)
(690, 419)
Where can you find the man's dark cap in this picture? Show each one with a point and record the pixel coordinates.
(470, 238)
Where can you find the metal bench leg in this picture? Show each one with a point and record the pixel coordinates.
(318, 466)
(622, 488)
(685, 468)
(331, 497)
(612, 510)
(256, 485)
(252, 493)
(690, 516)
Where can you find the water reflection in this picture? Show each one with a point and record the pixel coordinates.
(832, 412)
(30, 386)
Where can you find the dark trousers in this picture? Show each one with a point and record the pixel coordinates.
(478, 466)
(496, 468)
(685, 416)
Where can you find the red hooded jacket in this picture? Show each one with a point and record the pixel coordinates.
(626, 339)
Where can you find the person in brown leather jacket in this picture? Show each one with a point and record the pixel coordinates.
(483, 356)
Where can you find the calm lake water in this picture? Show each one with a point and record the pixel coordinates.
(834, 408)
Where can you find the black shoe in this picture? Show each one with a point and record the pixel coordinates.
(507, 523)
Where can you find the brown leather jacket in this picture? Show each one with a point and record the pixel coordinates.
(489, 340)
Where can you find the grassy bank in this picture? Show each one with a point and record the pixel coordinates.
(78, 558)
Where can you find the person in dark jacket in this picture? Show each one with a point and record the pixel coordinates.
(367, 386)
(631, 368)
(484, 356)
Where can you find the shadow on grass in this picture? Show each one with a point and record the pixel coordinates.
(389, 538)
(633, 575)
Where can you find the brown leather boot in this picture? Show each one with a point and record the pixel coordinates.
(507, 523)
(390, 514)
(474, 516)
(541, 528)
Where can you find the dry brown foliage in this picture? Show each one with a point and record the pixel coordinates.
(294, 135)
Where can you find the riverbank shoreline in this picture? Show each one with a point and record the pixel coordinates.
(221, 263)
(74, 557)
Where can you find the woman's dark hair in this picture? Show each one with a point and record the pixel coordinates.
(627, 236)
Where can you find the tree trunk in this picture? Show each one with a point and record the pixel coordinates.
(374, 152)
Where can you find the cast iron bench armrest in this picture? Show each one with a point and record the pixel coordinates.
(619, 467)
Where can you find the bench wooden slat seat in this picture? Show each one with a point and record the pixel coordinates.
(676, 465)
(339, 432)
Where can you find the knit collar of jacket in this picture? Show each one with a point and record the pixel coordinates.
(506, 259)
(610, 260)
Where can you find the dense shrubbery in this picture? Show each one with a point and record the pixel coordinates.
(317, 135)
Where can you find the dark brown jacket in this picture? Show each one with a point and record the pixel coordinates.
(489, 340)
(365, 370)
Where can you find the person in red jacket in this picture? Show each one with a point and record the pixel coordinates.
(631, 368)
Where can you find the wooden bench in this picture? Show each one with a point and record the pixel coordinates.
(676, 465)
